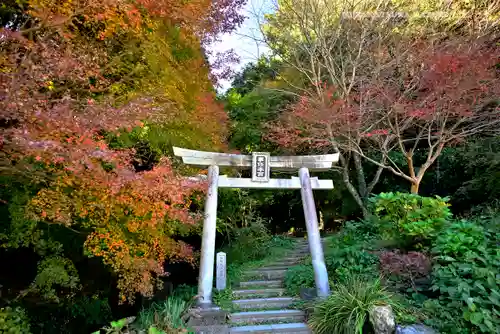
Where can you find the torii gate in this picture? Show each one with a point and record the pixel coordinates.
(260, 163)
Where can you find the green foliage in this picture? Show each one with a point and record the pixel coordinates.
(168, 316)
(55, 272)
(346, 309)
(410, 218)
(253, 75)
(299, 276)
(185, 292)
(95, 310)
(469, 288)
(249, 114)
(161, 318)
(224, 298)
(249, 243)
(119, 326)
(466, 276)
(14, 321)
(251, 106)
(343, 262)
(281, 242)
(251, 247)
(460, 238)
(347, 252)
(469, 174)
(477, 168)
(238, 208)
(16, 229)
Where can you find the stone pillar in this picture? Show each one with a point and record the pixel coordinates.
(220, 283)
(206, 277)
(313, 236)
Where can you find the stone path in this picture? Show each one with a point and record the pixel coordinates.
(262, 301)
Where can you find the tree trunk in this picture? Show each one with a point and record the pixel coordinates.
(357, 198)
(360, 173)
(352, 189)
(344, 163)
(414, 187)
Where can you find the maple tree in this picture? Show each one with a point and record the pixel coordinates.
(349, 45)
(323, 44)
(432, 97)
(74, 73)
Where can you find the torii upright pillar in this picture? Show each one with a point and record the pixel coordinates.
(318, 259)
(207, 260)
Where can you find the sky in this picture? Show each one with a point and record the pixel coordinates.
(245, 41)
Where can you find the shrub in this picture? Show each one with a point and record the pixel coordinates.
(405, 270)
(346, 309)
(352, 233)
(343, 261)
(412, 264)
(249, 243)
(95, 309)
(161, 318)
(185, 292)
(409, 218)
(281, 241)
(299, 276)
(459, 238)
(468, 285)
(224, 298)
(347, 253)
(14, 320)
(167, 316)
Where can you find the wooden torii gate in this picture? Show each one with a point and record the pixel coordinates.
(260, 163)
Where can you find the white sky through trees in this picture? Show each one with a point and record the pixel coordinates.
(246, 40)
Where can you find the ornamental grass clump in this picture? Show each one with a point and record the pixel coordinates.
(346, 309)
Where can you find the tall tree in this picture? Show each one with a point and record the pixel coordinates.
(347, 44)
(325, 43)
(433, 97)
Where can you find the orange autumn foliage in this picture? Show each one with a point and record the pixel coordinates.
(80, 71)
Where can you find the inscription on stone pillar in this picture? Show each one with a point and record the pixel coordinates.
(221, 271)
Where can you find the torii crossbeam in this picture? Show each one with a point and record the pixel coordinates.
(260, 163)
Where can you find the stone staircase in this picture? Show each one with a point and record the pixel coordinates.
(261, 301)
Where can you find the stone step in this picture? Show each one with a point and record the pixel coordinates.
(295, 328)
(299, 248)
(293, 258)
(259, 292)
(266, 284)
(211, 329)
(272, 315)
(275, 267)
(272, 274)
(264, 303)
(299, 252)
(286, 260)
(287, 264)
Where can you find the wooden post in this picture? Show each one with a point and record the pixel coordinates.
(315, 247)
(206, 277)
